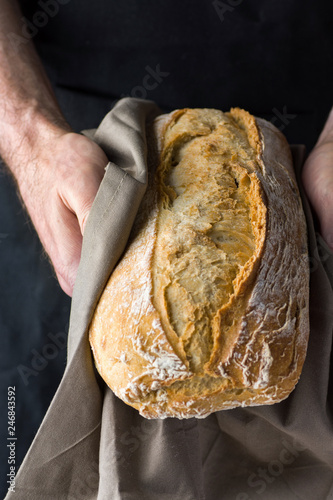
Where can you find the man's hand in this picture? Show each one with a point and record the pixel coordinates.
(58, 172)
(58, 181)
(317, 179)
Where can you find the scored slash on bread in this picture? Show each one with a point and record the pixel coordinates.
(208, 307)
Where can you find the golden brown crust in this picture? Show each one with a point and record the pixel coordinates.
(208, 308)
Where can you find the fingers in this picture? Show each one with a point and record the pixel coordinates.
(62, 241)
(65, 285)
(317, 177)
(83, 173)
(58, 181)
(66, 183)
(78, 196)
(325, 214)
(77, 186)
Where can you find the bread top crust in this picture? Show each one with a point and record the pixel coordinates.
(208, 308)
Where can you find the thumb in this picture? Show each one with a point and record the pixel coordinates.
(326, 220)
(80, 175)
(79, 198)
(317, 177)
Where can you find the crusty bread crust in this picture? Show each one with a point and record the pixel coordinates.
(208, 308)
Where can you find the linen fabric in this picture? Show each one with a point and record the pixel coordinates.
(93, 446)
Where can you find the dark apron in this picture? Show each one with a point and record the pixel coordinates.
(274, 58)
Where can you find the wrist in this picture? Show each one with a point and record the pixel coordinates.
(25, 131)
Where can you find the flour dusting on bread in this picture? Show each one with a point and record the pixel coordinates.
(208, 307)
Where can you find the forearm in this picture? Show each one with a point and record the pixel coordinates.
(28, 107)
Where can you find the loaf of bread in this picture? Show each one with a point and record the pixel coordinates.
(208, 307)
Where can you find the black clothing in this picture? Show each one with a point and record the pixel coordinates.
(274, 59)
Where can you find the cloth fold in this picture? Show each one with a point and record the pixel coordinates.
(93, 446)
